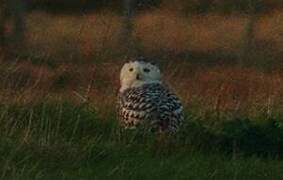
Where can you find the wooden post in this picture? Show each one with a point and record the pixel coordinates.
(18, 13)
(249, 34)
(127, 31)
(14, 11)
(2, 23)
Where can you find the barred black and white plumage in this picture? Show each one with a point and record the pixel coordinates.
(144, 100)
(152, 105)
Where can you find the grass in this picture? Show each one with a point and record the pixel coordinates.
(57, 112)
(130, 163)
(60, 140)
(234, 90)
(95, 37)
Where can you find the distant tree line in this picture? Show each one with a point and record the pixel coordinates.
(69, 6)
(224, 6)
(194, 6)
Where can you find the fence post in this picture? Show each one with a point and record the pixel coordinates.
(2, 24)
(249, 34)
(127, 31)
(13, 11)
(18, 14)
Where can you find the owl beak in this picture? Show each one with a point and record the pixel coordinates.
(138, 77)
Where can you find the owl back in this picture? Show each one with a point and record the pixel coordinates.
(150, 105)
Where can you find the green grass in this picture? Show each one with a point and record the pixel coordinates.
(110, 161)
(60, 140)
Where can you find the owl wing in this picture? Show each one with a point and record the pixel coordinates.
(152, 105)
(135, 107)
(169, 111)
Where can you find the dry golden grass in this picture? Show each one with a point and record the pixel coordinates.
(231, 90)
(196, 33)
(71, 36)
(87, 36)
(270, 30)
(66, 40)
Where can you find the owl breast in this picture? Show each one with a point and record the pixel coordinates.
(150, 105)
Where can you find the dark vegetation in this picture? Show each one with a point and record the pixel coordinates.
(63, 141)
(193, 6)
(61, 122)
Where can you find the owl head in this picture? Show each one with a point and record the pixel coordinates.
(137, 73)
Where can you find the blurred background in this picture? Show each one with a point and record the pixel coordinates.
(218, 55)
(59, 78)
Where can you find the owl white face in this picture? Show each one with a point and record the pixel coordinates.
(137, 73)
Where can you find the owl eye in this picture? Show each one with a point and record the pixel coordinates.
(131, 69)
(146, 70)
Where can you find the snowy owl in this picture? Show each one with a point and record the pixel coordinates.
(145, 100)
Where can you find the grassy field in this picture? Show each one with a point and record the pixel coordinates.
(43, 136)
(63, 141)
(92, 37)
(57, 110)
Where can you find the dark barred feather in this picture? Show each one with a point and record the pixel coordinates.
(150, 104)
